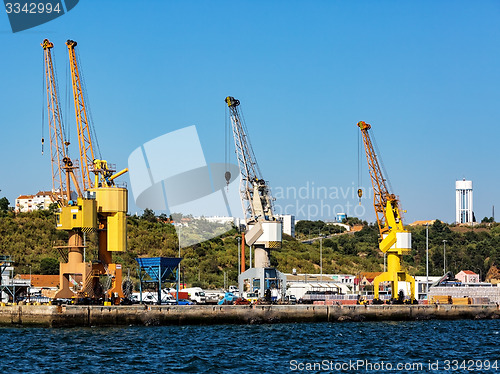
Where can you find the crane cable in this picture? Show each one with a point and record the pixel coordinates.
(227, 145)
(91, 126)
(43, 100)
(59, 114)
(67, 99)
(360, 189)
(381, 163)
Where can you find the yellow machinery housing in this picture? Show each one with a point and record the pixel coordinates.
(112, 203)
(82, 215)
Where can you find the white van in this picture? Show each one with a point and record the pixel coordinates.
(196, 295)
(152, 298)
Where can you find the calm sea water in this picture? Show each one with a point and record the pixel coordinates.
(280, 348)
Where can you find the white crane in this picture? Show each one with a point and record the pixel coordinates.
(264, 230)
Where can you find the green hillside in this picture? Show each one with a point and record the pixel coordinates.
(30, 238)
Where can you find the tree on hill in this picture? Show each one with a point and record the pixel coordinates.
(49, 266)
(351, 221)
(149, 215)
(4, 205)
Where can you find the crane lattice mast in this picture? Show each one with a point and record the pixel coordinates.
(57, 143)
(82, 120)
(253, 188)
(381, 194)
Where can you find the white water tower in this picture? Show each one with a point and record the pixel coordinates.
(464, 212)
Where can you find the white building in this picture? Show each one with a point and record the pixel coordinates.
(39, 201)
(288, 222)
(467, 276)
(341, 216)
(422, 287)
(464, 210)
(299, 284)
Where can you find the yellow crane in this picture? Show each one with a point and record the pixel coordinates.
(112, 201)
(75, 217)
(100, 206)
(395, 241)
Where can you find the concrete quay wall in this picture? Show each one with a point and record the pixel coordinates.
(82, 315)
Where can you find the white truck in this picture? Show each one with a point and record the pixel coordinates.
(196, 295)
(152, 298)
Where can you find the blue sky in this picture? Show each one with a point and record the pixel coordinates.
(424, 74)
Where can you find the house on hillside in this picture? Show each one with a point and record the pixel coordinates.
(467, 276)
(29, 203)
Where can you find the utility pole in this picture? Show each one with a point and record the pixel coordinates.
(321, 256)
(179, 266)
(444, 256)
(239, 255)
(427, 259)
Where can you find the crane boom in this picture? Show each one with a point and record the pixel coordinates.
(87, 155)
(57, 144)
(381, 194)
(394, 239)
(254, 191)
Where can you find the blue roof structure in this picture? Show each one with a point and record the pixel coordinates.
(160, 269)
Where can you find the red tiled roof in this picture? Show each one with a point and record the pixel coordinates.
(25, 197)
(44, 193)
(469, 272)
(40, 193)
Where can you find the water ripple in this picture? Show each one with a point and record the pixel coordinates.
(245, 348)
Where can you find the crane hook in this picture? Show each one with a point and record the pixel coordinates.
(360, 194)
(227, 175)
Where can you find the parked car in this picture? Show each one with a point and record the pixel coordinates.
(213, 297)
(233, 289)
(251, 296)
(184, 302)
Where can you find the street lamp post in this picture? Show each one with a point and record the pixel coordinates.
(29, 288)
(427, 260)
(480, 275)
(444, 256)
(239, 255)
(321, 256)
(179, 266)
